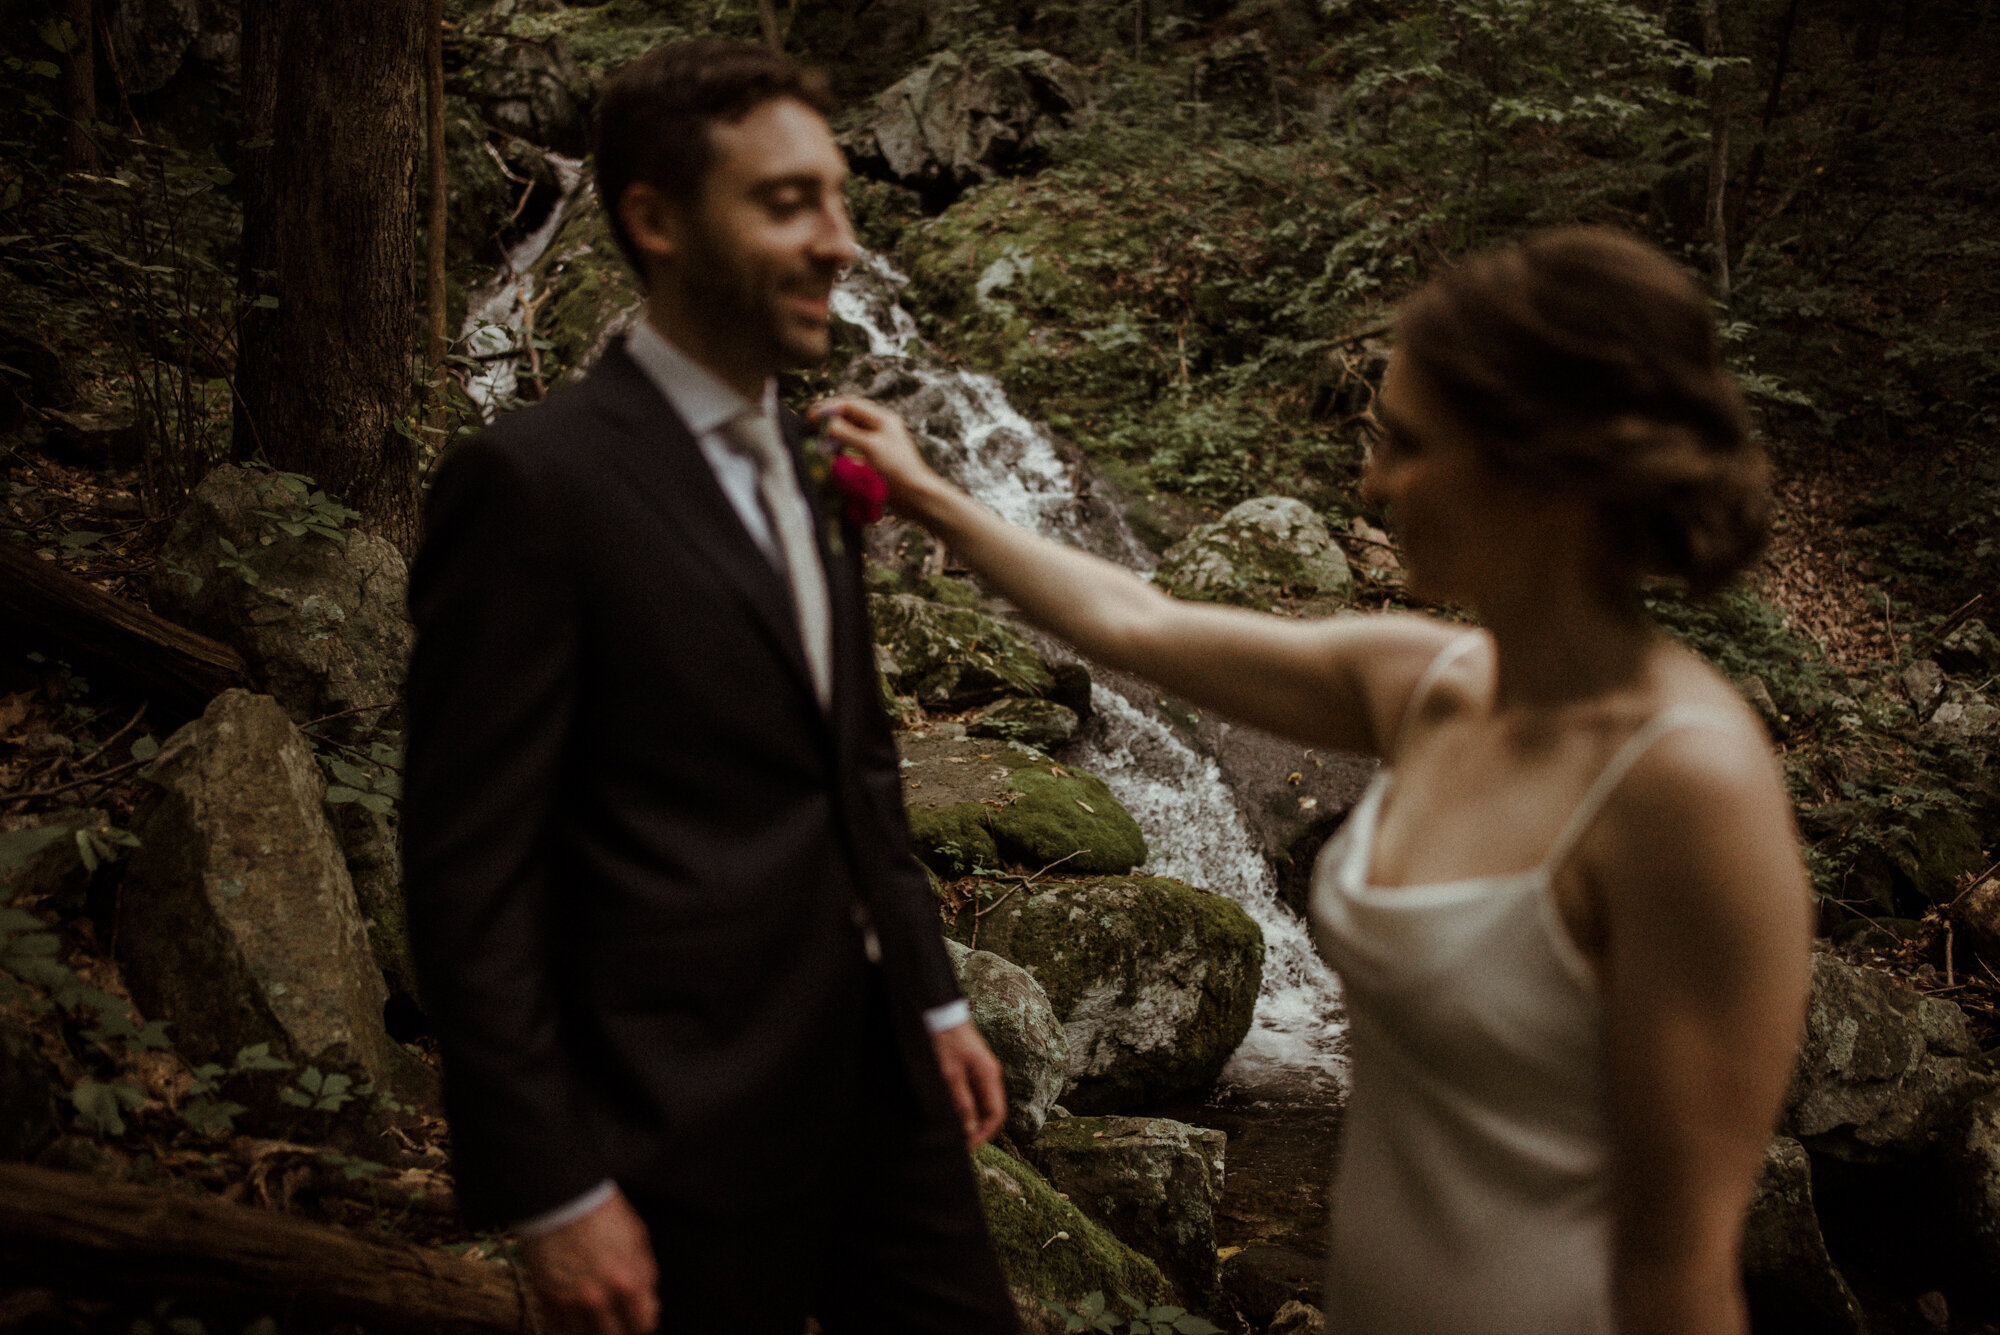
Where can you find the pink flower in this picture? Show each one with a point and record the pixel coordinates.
(863, 490)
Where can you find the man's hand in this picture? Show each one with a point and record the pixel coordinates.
(596, 1275)
(972, 1074)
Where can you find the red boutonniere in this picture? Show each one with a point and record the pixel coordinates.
(853, 491)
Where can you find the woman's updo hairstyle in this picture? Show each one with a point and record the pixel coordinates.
(1587, 360)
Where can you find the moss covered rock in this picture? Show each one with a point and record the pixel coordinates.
(1154, 1182)
(976, 804)
(955, 657)
(1048, 1248)
(1263, 550)
(1042, 724)
(588, 291)
(1154, 980)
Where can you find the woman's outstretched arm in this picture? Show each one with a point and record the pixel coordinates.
(1340, 683)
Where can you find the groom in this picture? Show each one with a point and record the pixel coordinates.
(703, 1047)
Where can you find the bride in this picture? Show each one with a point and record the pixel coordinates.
(1569, 915)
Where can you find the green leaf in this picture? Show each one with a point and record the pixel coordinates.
(340, 795)
(1092, 1305)
(86, 850)
(48, 69)
(41, 944)
(267, 302)
(295, 1098)
(311, 1079)
(1194, 1325)
(20, 920)
(145, 748)
(257, 1057)
(228, 546)
(99, 1106)
(379, 803)
(212, 1117)
(18, 846)
(348, 773)
(76, 542)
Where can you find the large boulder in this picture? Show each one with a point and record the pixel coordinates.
(1264, 550)
(975, 805)
(320, 620)
(237, 920)
(1791, 1280)
(1155, 1183)
(955, 122)
(1970, 1152)
(150, 38)
(1013, 1014)
(28, 1092)
(1042, 724)
(1882, 1067)
(533, 88)
(953, 657)
(1049, 1250)
(1154, 980)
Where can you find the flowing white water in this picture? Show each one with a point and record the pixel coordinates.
(496, 316)
(1192, 823)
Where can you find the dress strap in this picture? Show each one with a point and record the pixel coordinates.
(1673, 718)
(1440, 661)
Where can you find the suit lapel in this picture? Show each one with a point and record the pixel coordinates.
(657, 455)
(843, 591)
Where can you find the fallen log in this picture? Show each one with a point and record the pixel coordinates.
(42, 602)
(53, 1223)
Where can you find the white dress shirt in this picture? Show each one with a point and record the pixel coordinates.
(705, 404)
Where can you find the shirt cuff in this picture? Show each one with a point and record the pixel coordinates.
(948, 1016)
(551, 1220)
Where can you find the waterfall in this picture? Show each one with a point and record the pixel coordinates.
(496, 315)
(1192, 823)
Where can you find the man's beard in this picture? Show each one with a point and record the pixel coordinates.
(736, 299)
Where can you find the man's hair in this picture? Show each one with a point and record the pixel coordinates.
(653, 117)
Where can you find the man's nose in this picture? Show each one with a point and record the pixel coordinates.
(835, 241)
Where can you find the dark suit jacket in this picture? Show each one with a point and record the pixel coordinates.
(633, 841)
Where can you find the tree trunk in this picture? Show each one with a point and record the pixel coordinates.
(1781, 60)
(767, 14)
(327, 388)
(54, 1225)
(80, 88)
(43, 604)
(1718, 149)
(255, 273)
(434, 244)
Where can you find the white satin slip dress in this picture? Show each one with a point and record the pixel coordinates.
(1472, 1193)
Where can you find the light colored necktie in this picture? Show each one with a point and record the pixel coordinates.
(756, 436)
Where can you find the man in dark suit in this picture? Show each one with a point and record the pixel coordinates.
(703, 1047)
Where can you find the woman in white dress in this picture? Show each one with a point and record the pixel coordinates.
(1570, 915)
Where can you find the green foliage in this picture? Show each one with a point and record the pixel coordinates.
(319, 1092)
(1095, 1314)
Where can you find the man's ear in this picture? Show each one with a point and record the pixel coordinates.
(656, 224)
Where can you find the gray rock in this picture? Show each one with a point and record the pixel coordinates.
(237, 920)
(1971, 1157)
(106, 438)
(1155, 1183)
(1042, 724)
(954, 657)
(534, 89)
(975, 805)
(1154, 980)
(1297, 1318)
(150, 39)
(1265, 549)
(1963, 715)
(953, 122)
(1791, 1280)
(1881, 1067)
(1049, 1249)
(1014, 1016)
(1923, 685)
(371, 842)
(323, 625)
(28, 1093)
(1972, 648)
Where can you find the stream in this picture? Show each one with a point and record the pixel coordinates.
(1280, 1096)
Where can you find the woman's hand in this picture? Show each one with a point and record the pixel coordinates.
(878, 436)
